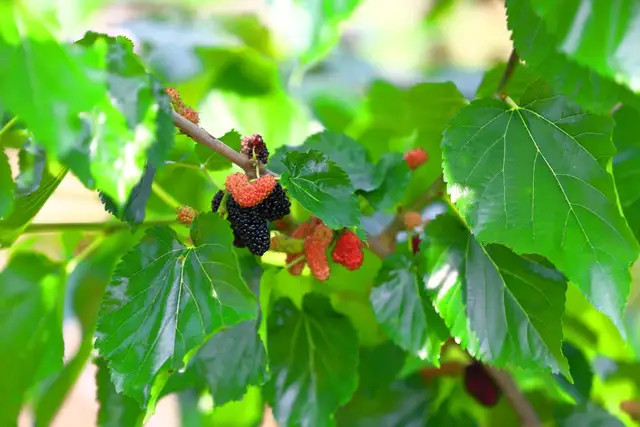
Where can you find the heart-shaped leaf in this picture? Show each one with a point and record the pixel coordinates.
(321, 187)
(313, 356)
(532, 178)
(165, 300)
(503, 308)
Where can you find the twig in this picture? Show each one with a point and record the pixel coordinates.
(203, 137)
(8, 125)
(513, 61)
(519, 402)
(45, 227)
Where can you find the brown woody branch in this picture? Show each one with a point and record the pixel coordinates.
(513, 61)
(203, 137)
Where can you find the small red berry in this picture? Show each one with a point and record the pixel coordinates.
(301, 232)
(191, 115)
(480, 385)
(348, 251)
(315, 249)
(186, 215)
(248, 194)
(416, 158)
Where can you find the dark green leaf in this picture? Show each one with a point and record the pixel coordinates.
(26, 207)
(31, 346)
(313, 356)
(406, 402)
(32, 162)
(542, 51)
(214, 161)
(626, 164)
(165, 300)
(379, 366)
(581, 373)
(321, 187)
(392, 169)
(404, 311)
(232, 360)
(532, 178)
(504, 309)
(7, 186)
(588, 414)
(116, 409)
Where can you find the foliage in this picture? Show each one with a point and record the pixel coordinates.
(519, 261)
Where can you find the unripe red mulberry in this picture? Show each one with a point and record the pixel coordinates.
(191, 115)
(249, 194)
(301, 232)
(348, 251)
(186, 215)
(412, 219)
(315, 249)
(416, 157)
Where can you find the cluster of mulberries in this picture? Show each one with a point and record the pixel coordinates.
(317, 239)
(181, 108)
(255, 144)
(249, 206)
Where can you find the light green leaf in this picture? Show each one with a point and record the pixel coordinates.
(395, 176)
(503, 308)
(543, 52)
(26, 207)
(31, 347)
(231, 361)
(600, 35)
(403, 309)
(321, 187)
(7, 186)
(116, 409)
(313, 356)
(165, 300)
(532, 178)
(626, 164)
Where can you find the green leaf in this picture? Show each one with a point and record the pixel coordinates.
(31, 346)
(214, 161)
(58, 86)
(7, 186)
(231, 361)
(581, 373)
(588, 414)
(325, 17)
(404, 311)
(392, 169)
(504, 309)
(543, 52)
(134, 209)
(321, 187)
(32, 162)
(405, 402)
(600, 35)
(521, 78)
(131, 127)
(86, 285)
(165, 300)
(532, 178)
(313, 356)
(346, 152)
(626, 164)
(26, 207)
(116, 409)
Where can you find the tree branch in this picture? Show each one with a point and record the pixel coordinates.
(513, 61)
(518, 401)
(203, 137)
(46, 227)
